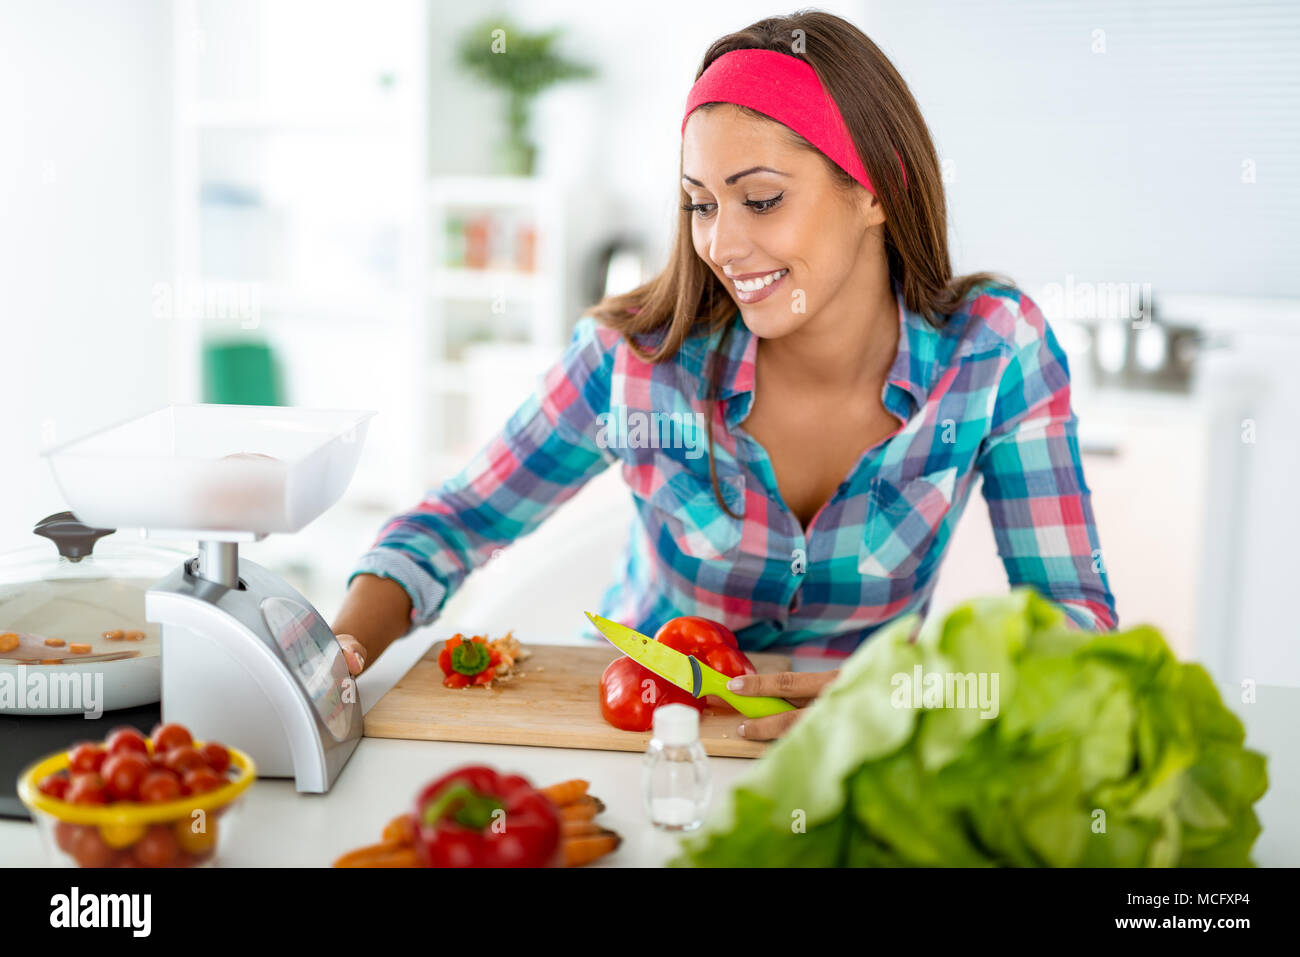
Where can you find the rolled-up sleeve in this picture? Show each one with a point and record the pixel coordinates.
(547, 450)
(1039, 504)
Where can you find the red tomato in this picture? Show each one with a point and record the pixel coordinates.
(710, 642)
(126, 739)
(123, 773)
(87, 789)
(630, 693)
(200, 780)
(183, 759)
(55, 785)
(159, 786)
(218, 757)
(85, 758)
(168, 736)
(158, 847)
(92, 850)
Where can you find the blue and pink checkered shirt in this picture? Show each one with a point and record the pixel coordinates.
(987, 394)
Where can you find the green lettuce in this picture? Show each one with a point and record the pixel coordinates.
(1088, 749)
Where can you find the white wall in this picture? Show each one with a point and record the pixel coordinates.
(85, 114)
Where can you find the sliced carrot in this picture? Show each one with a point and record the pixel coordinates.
(566, 792)
(8, 641)
(584, 850)
(400, 830)
(77, 648)
(54, 642)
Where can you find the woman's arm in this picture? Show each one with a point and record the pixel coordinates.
(1039, 504)
(546, 452)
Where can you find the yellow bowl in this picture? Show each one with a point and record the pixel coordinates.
(121, 826)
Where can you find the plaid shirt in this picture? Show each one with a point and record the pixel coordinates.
(987, 394)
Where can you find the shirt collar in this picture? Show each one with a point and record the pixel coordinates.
(912, 371)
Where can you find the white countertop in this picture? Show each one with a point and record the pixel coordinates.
(278, 827)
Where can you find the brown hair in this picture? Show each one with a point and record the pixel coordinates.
(886, 125)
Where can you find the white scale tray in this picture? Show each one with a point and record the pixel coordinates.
(167, 472)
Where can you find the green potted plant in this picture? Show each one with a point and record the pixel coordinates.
(522, 65)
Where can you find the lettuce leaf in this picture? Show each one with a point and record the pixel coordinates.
(1000, 736)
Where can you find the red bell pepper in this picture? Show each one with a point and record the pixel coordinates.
(628, 702)
(467, 662)
(475, 817)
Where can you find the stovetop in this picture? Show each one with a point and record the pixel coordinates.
(24, 738)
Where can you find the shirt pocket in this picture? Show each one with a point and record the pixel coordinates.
(684, 505)
(902, 521)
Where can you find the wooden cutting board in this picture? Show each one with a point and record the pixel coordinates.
(553, 704)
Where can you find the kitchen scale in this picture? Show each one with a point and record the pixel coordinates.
(246, 659)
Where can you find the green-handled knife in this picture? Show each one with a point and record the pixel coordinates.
(685, 671)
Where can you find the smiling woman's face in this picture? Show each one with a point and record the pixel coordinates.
(769, 209)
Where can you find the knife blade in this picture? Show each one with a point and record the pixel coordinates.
(685, 671)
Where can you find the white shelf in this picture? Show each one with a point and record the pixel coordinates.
(476, 284)
(458, 191)
(236, 115)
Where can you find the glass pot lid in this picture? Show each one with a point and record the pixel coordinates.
(79, 596)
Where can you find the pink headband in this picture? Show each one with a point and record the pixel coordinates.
(785, 88)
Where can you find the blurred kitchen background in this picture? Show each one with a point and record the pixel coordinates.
(326, 204)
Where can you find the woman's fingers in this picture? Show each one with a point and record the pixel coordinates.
(354, 653)
(766, 729)
(784, 684)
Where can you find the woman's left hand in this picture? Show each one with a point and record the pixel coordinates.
(797, 687)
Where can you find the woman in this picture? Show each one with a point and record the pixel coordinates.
(833, 391)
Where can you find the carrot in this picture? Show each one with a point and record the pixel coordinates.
(400, 830)
(584, 850)
(583, 809)
(379, 855)
(579, 828)
(566, 792)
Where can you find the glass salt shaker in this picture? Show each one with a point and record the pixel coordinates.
(676, 784)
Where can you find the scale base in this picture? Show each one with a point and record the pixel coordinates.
(257, 667)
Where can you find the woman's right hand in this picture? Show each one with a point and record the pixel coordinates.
(377, 608)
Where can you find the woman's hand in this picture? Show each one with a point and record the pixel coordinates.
(797, 687)
(376, 608)
(354, 653)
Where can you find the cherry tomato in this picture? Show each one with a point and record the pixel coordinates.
(158, 786)
(216, 755)
(85, 758)
(183, 759)
(87, 789)
(92, 850)
(123, 773)
(195, 842)
(168, 736)
(55, 785)
(200, 780)
(118, 836)
(67, 835)
(126, 739)
(158, 847)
